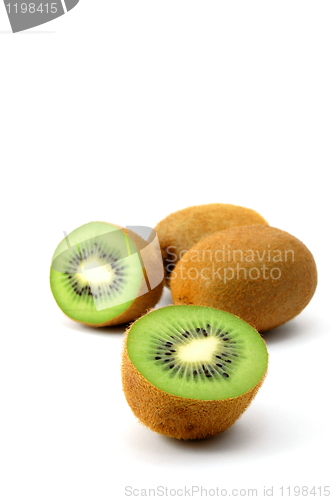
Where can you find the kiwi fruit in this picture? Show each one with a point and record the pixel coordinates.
(260, 273)
(189, 372)
(181, 230)
(103, 274)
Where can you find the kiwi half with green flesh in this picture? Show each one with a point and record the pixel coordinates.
(178, 232)
(97, 275)
(262, 274)
(189, 372)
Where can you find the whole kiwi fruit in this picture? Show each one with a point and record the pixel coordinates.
(262, 274)
(181, 230)
(103, 274)
(189, 372)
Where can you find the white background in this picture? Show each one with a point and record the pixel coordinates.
(125, 112)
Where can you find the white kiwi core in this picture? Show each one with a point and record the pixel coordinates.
(198, 350)
(93, 272)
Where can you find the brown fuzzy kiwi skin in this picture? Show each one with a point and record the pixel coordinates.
(263, 303)
(144, 302)
(182, 229)
(175, 416)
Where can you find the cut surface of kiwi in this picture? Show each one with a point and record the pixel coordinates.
(97, 275)
(190, 371)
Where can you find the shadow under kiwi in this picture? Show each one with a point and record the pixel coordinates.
(165, 299)
(230, 440)
(299, 328)
(258, 433)
(94, 330)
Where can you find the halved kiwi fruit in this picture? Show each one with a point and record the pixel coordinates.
(98, 276)
(181, 230)
(262, 274)
(189, 372)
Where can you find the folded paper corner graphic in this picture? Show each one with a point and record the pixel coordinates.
(25, 15)
(70, 4)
